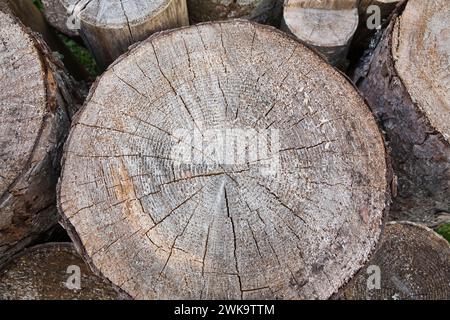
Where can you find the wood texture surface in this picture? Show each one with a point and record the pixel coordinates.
(45, 272)
(414, 264)
(32, 18)
(326, 26)
(37, 100)
(407, 86)
(109, 27)
(163, 230)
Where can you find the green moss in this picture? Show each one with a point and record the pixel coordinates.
(444, 231)
(82, 54)
(38, 4)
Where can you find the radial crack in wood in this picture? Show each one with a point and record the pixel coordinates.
(224, 161)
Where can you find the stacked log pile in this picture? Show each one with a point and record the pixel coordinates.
(227, 159)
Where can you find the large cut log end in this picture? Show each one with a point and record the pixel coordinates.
(212, 157)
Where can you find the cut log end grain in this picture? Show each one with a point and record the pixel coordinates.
(162, 228)
(36, 103)
(407, 85)
(414, 264)
(327, 26)
(262, 11)
(48, 272)
(109, 27)
(421, 53)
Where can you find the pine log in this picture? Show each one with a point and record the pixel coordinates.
(407, 85)
(57, 16)
(327, 26)
(37, 100)
(48, 271)
(414, 264)
(110, 27)
(262, 11)
(295, 223)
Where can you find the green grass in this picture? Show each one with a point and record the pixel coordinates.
(444, 231)
(38, 4)
(82, 54)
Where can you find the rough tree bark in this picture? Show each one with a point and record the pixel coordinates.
(327, 26)
(407, 85)
(414, 264)
(109, 27)
(37, 99)
(262, 11)
(48, 271)
(295, 223)
(57, 16)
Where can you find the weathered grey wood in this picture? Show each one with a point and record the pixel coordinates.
(37, 99)
(109, 27)
(407, 84)
(327, 26)
(414, 264)
(159, 227)
(31, 17)
(262, 11)
(48, 271)
(57, 16)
